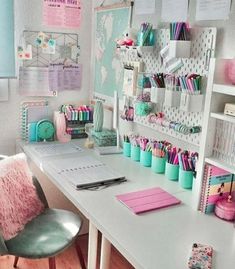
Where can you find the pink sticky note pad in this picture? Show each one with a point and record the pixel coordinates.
(147, 200)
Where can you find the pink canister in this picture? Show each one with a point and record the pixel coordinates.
(225, 209)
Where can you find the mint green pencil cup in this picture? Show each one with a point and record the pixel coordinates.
(158, 165)
(185, 179)
(172, 172)
(146, 158)
(127, 149)
(135, 153)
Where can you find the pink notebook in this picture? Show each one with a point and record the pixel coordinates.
(146, 200)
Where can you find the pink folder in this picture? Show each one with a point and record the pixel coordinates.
(146, 200)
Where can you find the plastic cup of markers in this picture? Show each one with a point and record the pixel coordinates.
(127, 149)
(135, 153)
(172, 171)
(185, 179)
(158, 165)
(146, 158)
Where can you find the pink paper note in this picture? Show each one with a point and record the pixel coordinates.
(62, 13)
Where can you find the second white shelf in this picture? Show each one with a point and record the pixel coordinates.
(221, 164)
(222, 116)
(224, 89)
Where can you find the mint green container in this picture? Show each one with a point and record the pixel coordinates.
(172, 172)
(185, 179)
(135, 153)
(127, 149)
(146, 158)
(158, 165)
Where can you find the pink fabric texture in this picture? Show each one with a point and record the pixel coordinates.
(19, 202)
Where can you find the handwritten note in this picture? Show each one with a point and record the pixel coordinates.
(62, 77)
(33, 81)
(213, 10)
(144, 7)
(62, 13)
(173, 11)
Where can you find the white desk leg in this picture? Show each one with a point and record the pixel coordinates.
(105, 253)
(92, 246)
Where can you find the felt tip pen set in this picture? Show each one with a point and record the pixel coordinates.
(126, 139)
(134, 140)
(172, 156)
(81, 113)
(191, 83)
(146, 36)
(159, 148)
(158, 80)
(145, 144)
(179, 31)
(172, 82)
(187, 160)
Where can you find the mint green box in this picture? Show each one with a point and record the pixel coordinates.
(146, 158)
(127, 149)
(185, 179)
(135, 153)
(158, 165)
(172, 172)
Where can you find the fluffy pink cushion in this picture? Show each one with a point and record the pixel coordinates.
(19, 202)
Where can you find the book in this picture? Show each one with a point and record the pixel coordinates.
(216, 185)
(146, 200)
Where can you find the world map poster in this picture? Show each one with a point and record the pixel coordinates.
(111, 24)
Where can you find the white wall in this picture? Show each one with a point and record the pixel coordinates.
(225, 47)
(28, 14)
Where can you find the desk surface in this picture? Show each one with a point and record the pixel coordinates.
(157, 239)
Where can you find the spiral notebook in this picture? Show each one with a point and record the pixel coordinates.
(216, 185)
(85, 172)
(147, 200)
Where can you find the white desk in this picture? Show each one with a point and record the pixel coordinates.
(159, 239)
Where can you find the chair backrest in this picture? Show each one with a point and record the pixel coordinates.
(3, 248)
(40, 192)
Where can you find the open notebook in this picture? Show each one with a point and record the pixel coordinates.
(146, 200)
(85, 172)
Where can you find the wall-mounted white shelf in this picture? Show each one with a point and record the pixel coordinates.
(221, 164)
(222, 116)
(224, 89)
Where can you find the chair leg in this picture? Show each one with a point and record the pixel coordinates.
(80, 255)
(52, 264)
(15, 262)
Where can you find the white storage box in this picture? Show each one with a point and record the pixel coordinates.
(172, 98)
(179, 48)
(157, 95)
(191, 102)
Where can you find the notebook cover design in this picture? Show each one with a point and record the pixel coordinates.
(147, 200)
(216, 185)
